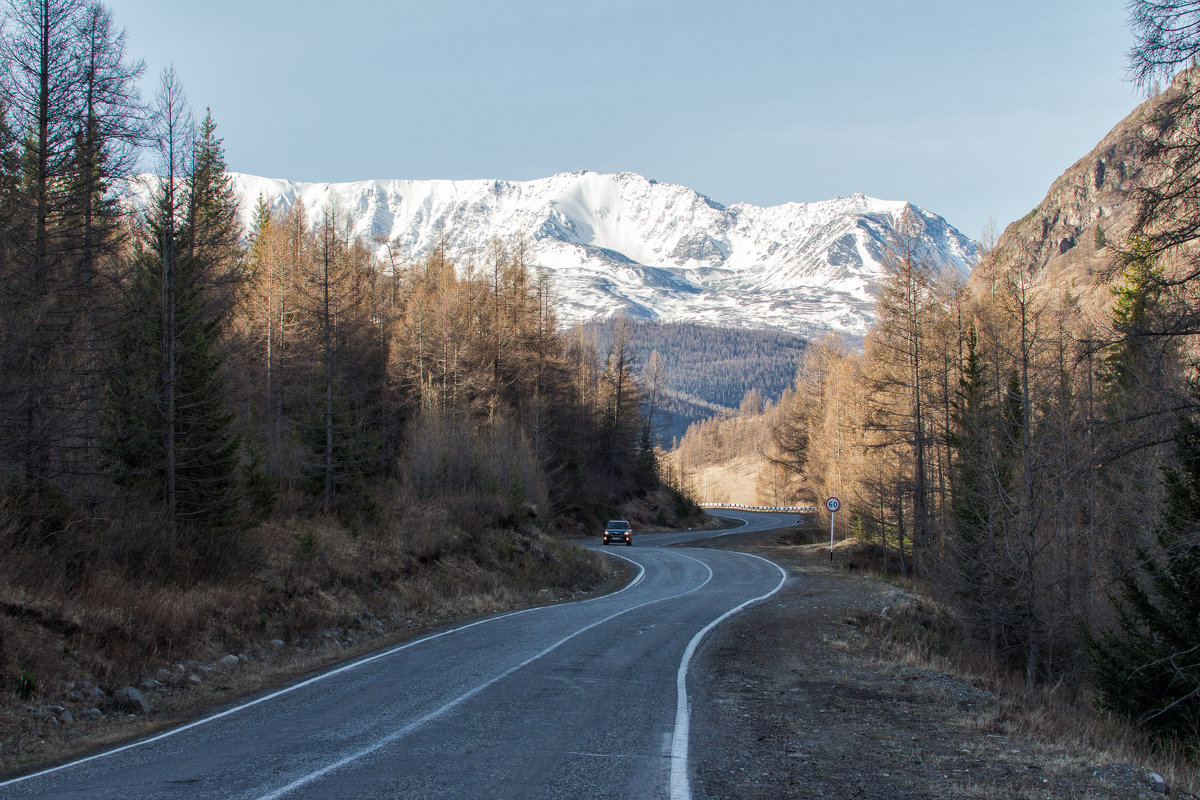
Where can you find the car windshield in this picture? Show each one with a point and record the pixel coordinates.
(618, 525)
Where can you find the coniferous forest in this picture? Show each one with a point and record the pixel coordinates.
(210, 434)
(707, 370)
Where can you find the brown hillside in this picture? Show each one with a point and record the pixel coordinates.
(1059, 236)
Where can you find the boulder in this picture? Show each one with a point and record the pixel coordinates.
(130, 699)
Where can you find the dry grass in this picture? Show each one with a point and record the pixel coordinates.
(879, 674)
(918, 632)
(323, 588)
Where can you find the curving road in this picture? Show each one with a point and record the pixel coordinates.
(585, 699)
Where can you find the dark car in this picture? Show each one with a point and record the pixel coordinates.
(618, 531)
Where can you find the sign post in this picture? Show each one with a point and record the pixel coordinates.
(833, 504)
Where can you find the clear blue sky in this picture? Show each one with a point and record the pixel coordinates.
(967, 108)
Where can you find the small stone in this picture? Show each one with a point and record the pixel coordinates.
(57, 712)
(194, 678)
(276, 644)
(77, 696)
(1158, 783)
(91, 713)
(163, 674)
(243, 658)
(229, 661)
(130, 699)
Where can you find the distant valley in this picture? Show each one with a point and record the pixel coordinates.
(708, 370)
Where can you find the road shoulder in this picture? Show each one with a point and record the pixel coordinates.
(790, 701)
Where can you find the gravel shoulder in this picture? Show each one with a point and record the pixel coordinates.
(791, 701)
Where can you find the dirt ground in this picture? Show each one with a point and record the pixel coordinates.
(796, 703)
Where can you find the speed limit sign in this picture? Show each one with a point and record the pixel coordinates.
(833, 504)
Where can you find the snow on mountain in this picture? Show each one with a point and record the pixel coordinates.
(623, 243)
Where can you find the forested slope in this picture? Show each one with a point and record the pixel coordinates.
(709, 370)
(1026, 443)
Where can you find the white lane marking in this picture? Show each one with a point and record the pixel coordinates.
(467, 695)
(681, 788)
(316, 679)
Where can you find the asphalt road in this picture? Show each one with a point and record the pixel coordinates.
(578, 700)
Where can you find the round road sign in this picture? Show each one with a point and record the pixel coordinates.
(833, 504)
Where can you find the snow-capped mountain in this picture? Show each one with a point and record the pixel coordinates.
(626, 244)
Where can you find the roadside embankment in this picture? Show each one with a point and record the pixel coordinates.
(112, 658)
(834, 688)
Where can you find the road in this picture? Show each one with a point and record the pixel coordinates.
(585, 699)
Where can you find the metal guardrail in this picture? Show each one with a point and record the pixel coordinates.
(743, 507)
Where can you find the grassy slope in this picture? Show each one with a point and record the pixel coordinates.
(310, 593)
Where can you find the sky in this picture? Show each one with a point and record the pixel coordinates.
(966, 108)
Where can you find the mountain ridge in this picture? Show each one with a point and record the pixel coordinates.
(622, 243)
(1072, 237)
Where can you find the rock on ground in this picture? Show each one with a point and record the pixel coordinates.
(130, 699)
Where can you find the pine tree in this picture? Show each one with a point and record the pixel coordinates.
(212, 233)
(973, 442)
(110, 128)
(170, 432)
(343, 426)
(898, 351)
(40, 52)
(1148, 669)
(1137, 313)
(622, 420)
